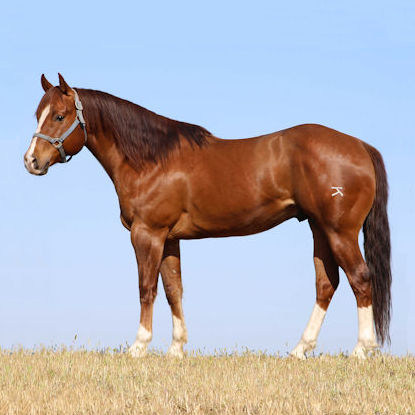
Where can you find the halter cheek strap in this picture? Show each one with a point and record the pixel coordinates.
(57, 142)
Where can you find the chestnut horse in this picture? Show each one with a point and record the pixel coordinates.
(178, 181)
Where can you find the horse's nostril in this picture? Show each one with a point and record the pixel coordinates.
(34, 163)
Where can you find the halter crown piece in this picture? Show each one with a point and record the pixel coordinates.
(57, 142)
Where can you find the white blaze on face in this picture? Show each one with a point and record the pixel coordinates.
(31, 148)
(42, 119)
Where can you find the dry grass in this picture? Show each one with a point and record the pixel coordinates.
(85, 382)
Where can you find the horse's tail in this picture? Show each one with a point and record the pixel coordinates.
(378, 249)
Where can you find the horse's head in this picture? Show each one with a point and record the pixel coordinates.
(61, 128)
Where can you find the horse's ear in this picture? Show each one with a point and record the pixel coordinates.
(63, 86)
(45, 83)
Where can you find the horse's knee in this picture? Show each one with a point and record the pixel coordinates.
(173, 295)
(147, 295)
(172, 285)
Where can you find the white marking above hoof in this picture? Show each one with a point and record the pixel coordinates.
(139, 347)
(179, 331)
(309, 338)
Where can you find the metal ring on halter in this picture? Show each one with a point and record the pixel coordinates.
(57, 142)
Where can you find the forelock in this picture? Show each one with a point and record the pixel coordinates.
(51, 96)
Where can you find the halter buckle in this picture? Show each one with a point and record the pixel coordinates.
(78, 103)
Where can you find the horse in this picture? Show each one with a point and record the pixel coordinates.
(176, 181)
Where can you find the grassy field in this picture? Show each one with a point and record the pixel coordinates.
(85, 382)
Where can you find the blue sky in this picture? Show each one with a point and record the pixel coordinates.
(239, 69)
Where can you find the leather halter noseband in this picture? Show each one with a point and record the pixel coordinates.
(57, 142)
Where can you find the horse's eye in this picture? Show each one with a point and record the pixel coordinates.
(60, 117)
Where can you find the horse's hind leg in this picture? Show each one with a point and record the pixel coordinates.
(327, 280)
(172, 281)
(347, 253)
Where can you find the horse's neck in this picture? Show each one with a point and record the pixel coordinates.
(103, 147)
(114, 162)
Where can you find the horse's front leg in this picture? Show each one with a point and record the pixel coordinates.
(148, 245)
(172, 281)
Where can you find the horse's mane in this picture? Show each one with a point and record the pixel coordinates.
(141, 135)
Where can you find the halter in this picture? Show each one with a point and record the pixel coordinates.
(58, 142)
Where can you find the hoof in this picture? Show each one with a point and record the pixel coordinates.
(298, 355)
(138, 350)
(359, 353)
(176, 351)
(362, 351)
(301, 349)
